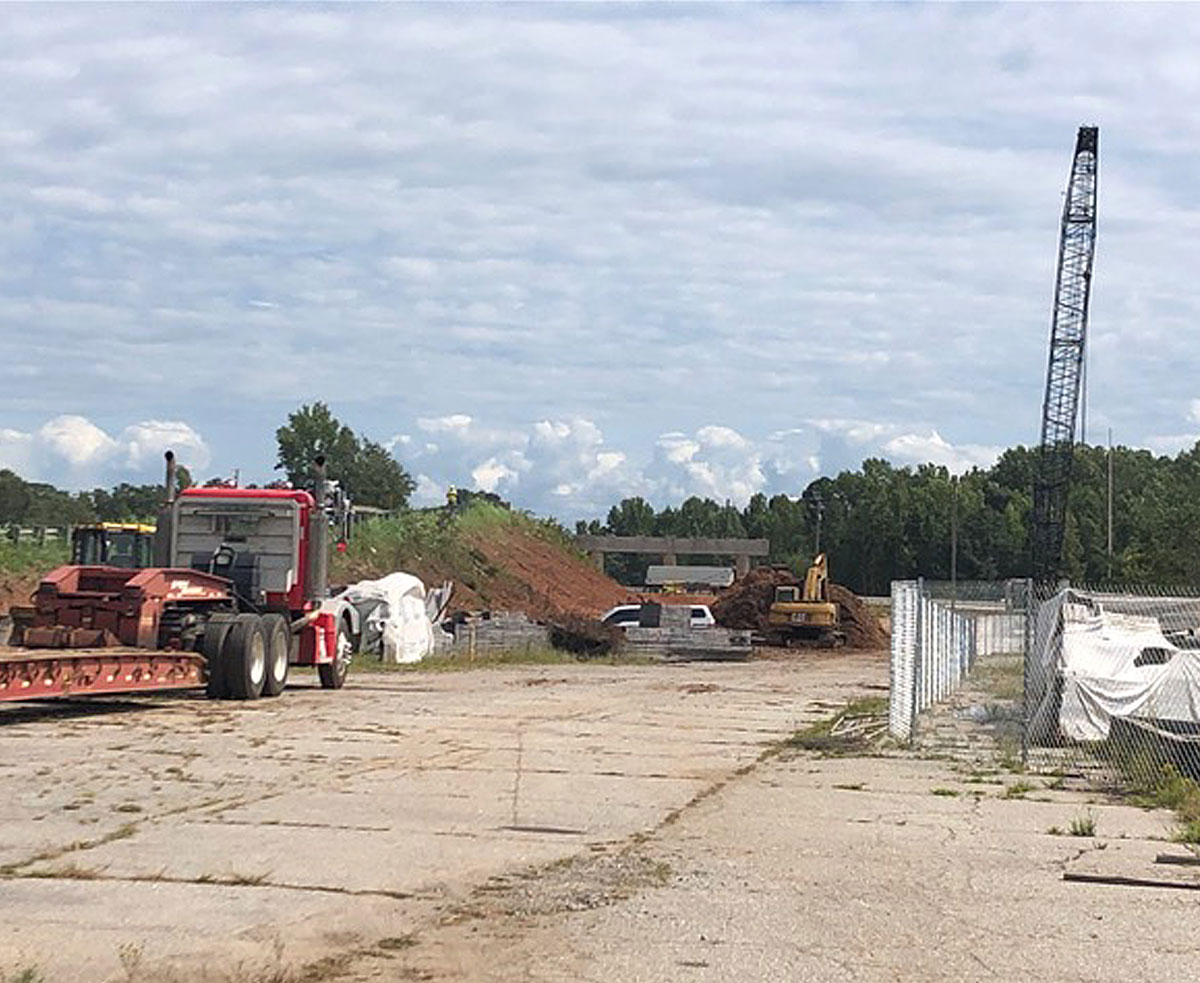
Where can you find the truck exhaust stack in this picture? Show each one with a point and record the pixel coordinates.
(317, 584)
(162, 534)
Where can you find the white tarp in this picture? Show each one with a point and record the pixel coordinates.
(1097, 664)
(394, 618)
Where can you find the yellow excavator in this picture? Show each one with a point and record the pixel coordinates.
(806, 616)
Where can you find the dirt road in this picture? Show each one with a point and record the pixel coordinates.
(331, 830)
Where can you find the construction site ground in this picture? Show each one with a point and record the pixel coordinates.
(557, 822)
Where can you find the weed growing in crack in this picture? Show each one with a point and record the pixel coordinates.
(1084, 825)
(395, 942)
(1017, 790)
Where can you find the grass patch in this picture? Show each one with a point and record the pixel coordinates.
(1010, 754)
(846, 733)
(23, 974)
(1181, 795)
(948, 793)
(1017, 790)
(1002, 676)
(1084, 825)
(30, 558)
(850, 786)
(417, 538)
(1055, 831)
(1188, 832)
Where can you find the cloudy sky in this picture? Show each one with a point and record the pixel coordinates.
(571, 253)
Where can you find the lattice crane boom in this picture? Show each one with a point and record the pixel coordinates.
(1068, 343)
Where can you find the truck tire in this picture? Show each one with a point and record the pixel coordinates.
(333, 674)
(216, 630)
(245, 658)
(279, 645)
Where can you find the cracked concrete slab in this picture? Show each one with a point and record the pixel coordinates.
(202, 832)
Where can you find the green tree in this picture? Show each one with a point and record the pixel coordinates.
(376, 478)
(366, 470)
(310, 431)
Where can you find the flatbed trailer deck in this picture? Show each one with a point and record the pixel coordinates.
(30, 674)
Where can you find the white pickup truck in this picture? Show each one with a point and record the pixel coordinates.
(629, 615)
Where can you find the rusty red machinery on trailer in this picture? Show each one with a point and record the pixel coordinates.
(238, 594)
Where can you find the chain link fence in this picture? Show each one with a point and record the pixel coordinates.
(1100, 684)
(1112, 684)
(940, 632)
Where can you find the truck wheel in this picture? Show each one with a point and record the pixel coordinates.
(245, 657)
(216, 629)
(279, 644)
(333, 674)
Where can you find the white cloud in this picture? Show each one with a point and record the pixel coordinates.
(488, 475)
(932, 448)
(77, 441)
(71, 451)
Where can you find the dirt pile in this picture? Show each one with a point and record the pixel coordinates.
(497, 560)
(542, 577)
(747, 604)
(862, 628)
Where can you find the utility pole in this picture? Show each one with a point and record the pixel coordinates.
(820, 512)
(1110, 503)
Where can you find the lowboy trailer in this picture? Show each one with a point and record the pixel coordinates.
(238, 594)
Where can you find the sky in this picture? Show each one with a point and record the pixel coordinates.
(574, 253)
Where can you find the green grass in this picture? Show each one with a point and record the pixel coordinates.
(1002, 676)
(29, 558)
(948, 793)
(403, 542)
(1084, 825)
(1178, 793)
(819, 736)
(1017, 790)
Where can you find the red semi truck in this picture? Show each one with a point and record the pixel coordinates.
(238, 594)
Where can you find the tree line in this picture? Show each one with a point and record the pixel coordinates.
(880, 523)
(877, 523)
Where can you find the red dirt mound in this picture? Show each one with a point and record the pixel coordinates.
(539, 577)
(747, 604)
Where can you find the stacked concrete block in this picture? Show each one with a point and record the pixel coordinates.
(499, 631)
(674, 638)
